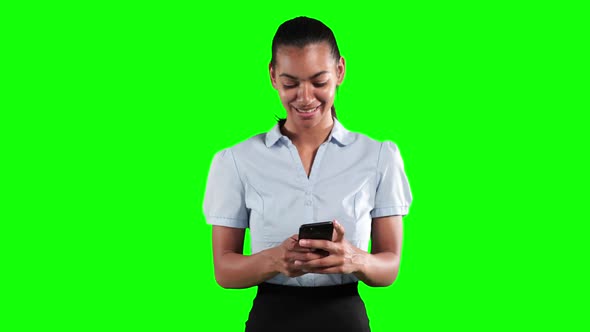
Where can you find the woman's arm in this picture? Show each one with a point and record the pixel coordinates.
(381, 266)
(234, 270)
(378, 268)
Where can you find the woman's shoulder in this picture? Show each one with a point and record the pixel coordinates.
(246, 146)
(371, 148)
(364, 140)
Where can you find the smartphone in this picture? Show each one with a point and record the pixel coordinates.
(317, 231)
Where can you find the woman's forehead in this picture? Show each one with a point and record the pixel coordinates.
(304, 61)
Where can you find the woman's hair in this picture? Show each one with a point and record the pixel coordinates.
(300, 32)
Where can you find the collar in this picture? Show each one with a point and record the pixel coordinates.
(338, 134)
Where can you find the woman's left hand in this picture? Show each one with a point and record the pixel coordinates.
(343, 257)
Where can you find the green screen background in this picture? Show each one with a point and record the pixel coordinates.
(111, 114)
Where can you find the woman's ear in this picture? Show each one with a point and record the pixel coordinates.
(271, 72)
(340, 70)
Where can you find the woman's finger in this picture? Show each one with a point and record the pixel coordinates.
(305, 256)
(328, 246)
(292, 244)
(322, 263)
(338, 232)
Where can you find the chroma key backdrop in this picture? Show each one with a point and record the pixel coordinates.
(112, 113)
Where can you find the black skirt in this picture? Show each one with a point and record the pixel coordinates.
(279, 308)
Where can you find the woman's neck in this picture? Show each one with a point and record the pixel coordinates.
(311, 137)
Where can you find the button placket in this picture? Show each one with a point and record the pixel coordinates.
(308, 203)
(308, 199)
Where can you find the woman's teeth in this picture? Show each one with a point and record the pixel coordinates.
(306, 111)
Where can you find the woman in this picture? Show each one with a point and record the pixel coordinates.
(308, 168)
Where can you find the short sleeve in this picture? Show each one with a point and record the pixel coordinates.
(393, 195)
(224, 203)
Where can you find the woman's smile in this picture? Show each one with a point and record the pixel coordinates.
(307, 112)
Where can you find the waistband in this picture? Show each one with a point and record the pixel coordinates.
(350, 289)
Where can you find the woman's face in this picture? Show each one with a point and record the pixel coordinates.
(306, 79)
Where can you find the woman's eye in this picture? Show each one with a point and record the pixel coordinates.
(317, 85)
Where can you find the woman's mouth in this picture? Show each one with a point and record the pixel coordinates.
(307, 111)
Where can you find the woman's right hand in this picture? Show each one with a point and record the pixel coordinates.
(288, 252)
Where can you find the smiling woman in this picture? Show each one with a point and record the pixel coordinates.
(305, 68)
(306, 78)
(307, 169)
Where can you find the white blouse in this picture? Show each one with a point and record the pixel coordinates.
(261, 184)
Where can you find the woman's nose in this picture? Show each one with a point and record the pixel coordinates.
(305, 93)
